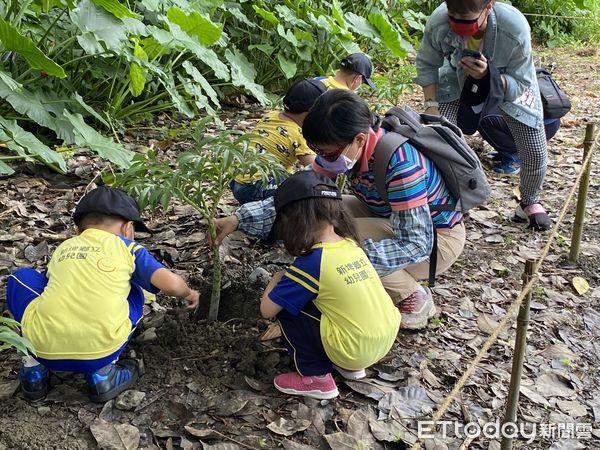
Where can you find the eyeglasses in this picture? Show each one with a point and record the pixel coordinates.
(329, 156)
(466, 21)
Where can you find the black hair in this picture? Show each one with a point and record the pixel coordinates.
(466, 6)
(299, 223)
(95, 218)
(336, 118)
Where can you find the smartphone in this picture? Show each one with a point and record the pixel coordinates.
(471, 53)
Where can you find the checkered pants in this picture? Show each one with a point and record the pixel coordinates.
(531, 145)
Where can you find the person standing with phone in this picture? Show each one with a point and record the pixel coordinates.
(461, 39)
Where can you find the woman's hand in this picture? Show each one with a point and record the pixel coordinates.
(225, 227)
(475, 67)
(432, 111)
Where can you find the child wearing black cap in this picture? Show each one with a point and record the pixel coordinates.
(355, 69)
(333, 310)
(80, 314)
(280, 133)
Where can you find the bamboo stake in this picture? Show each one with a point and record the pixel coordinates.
(582, 195)
(518, 356)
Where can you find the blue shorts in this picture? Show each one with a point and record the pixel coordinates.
(25, 285)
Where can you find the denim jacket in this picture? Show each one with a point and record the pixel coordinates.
(506, 44)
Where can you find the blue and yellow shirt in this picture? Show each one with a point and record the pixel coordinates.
(83, 312)
(359, 321)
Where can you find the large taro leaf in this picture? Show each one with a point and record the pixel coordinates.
(195, 24)
(389, 35)
(97, 26)
(25, 143)
(199, 78)
(177, 39)
(243, 74)
(86, 136)
(11, 40)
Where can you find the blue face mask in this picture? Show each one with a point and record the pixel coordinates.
(341, 164)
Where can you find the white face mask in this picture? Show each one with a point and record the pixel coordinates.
(341, 164)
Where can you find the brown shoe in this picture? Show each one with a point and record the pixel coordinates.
(416, 309)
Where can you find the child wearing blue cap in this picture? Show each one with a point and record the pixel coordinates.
(81, 312)
(332, 307)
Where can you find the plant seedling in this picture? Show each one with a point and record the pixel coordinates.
(9, 337)
(199, 178)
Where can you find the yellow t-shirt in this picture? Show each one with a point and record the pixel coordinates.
(473, 44)
(331, 83)
(359, 321)
(282, 138)
(83, 312)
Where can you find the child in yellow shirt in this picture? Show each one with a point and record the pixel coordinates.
(80, 314)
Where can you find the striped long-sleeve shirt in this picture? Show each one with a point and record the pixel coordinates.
(413, 182)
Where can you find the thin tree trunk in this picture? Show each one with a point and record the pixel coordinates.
(215, 297)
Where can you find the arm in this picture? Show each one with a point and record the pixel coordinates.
(256, 218)
(268, 308)
(430, 94)
(413, 241)
(172, 284)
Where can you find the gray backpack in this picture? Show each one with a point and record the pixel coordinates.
(441, 142)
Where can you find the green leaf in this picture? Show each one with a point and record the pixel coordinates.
(15, 340)
(338, 13)
(177, 39)
(96, 26)
(389, 35)
(363, 27)
(115, 8)
(243, 74)
(195, 24)
(34, 106)
(199, 78)
(137, 73)
(90, 110)
(5, 169)
(265, 48)
(287, 35)
(86, 136)
(267, 15)
(23, 140)
(12, 41)
(288, 67)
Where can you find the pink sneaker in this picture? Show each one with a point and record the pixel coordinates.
(416, 309)
(321, 387)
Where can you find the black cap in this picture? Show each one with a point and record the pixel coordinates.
(302, 95)
(299, 186)
(110, 201)
(361, 64)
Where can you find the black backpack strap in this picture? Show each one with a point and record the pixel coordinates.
(433, 259)
(384, 150)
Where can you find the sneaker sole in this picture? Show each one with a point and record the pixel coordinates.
(355, 375)
(34, 396)
(421, 323)
(319, 395)
(109, 395)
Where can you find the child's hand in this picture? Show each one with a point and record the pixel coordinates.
(193, 300)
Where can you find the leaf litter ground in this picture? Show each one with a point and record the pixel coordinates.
(209, 385)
